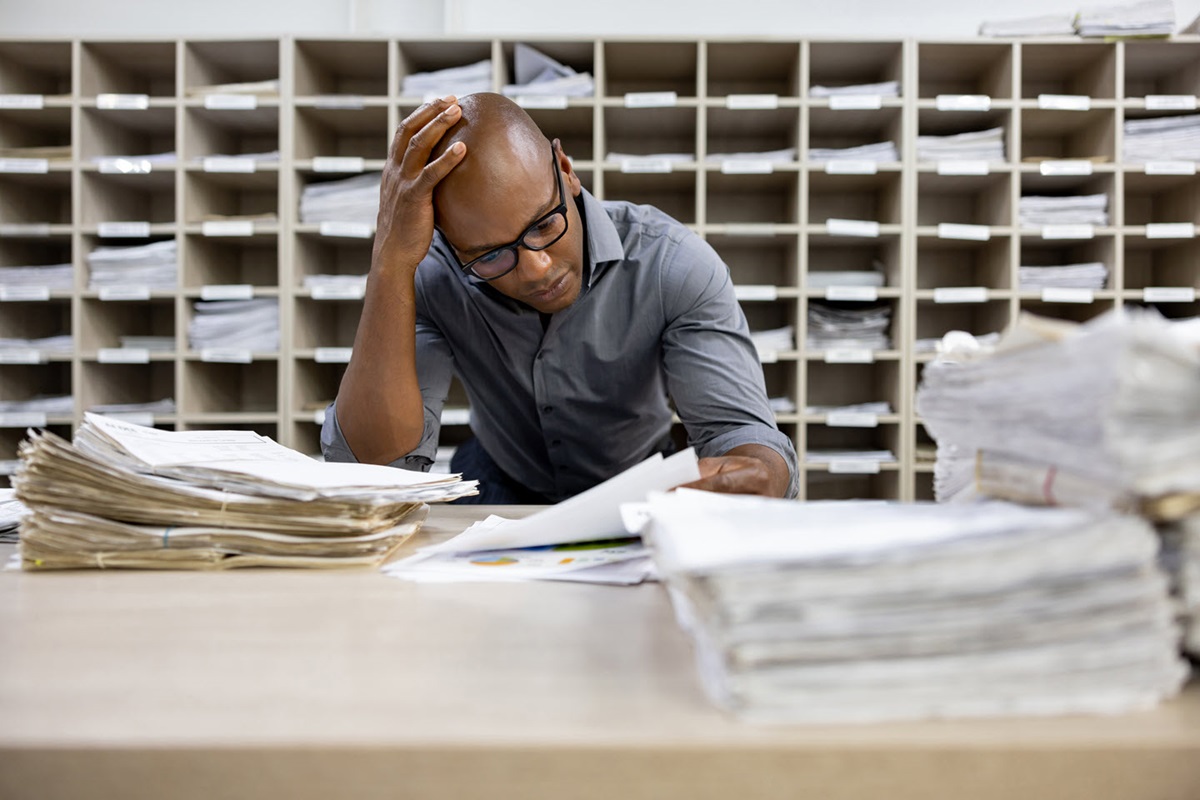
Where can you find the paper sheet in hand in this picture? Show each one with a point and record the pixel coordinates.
(593, 515)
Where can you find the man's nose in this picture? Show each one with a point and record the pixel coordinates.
(533, 264)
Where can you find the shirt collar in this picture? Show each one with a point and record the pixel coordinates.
(603, 242)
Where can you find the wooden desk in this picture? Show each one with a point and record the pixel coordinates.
(278, 684)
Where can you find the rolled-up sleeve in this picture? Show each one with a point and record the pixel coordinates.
(713, 372)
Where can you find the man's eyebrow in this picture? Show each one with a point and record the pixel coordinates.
(546, 209)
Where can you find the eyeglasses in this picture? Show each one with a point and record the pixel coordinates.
(541, 234)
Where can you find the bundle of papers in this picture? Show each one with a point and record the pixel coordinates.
(123, 495)
(823, 279)
(783, 156)
(848, 326)
(154, 266)
(11, 511)
(864, 612)
(243, 324)
(986, 145)
(155, 344)
(1045, 25)
(458, 81)
(782, 404)
(870, 407)
(268, 157)
(135, 164)
(883, 89)
(1090, 275)
(1105, 414)
(164, 406)
(49, 153)
(884, 152)
(1181, 560)
(537, 74)
(1088, 209)
(267, 88)
(1162, 139)
(51, 276)
(775, 339)
(1148, 18)
(937, 344)
(60, 404)
(355, 282)
(63, 343)
(353, 199)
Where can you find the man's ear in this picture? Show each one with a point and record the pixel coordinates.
(570, 178)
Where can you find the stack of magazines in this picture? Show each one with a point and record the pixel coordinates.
(122, 495)
(861, 612)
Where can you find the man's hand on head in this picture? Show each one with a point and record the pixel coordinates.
(746, 469)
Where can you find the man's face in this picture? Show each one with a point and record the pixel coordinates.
(503, 207)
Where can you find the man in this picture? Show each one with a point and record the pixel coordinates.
(568, 321)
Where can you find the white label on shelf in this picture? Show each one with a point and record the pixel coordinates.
(123, 293)
(847, 166)
(351, 101)
(229, 164)
(1170, 230)
(124, 102)
(123, 230)
(852, 419)
(1058, 294)
(743, 102)
(860, 294)
(852, 227)
(23, 419)
(1171, 102)
(226, 355)
(963, 102)
(21, 357)
(227, 227)
(1170, 167)
(333, 355)
(960, 294)
(956, 230)
(227, 291)
(456, 416)
(556, 102)
(854, 466)
(746, 166)
(123, 355)
(24, 294)
(1169, 294)
(143, 418)
(25, 229)
(651, 99)
(644, 165)
(338, 292)
(963, 167)
(23, 101)
(319, 416)
(353, 230)
(29, 166)
(1072, 166)
(751, 229)
(754, 291)
(125, 166)
(849, 355)
(1065, 102)
(855, 102)
(767, 355)
(1068, 231)
(338, 164)
(231, 102)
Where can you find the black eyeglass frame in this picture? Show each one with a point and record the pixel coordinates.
(561, 208)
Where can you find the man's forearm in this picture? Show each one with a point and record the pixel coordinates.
(779, 476)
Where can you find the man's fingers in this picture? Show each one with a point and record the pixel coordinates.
(415, 122)
(441, 166)
(421, 144)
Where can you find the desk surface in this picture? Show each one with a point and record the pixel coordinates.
(275, 683)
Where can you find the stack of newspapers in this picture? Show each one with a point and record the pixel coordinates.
(862, 612)
(122, 495)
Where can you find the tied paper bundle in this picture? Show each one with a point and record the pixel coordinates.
(853, 612)
(126, 496)
(1100, 415)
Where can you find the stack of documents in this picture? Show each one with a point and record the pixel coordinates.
(783, 156)
(871, 407)
(243, 324)
(537, 74)
(882, 89)
(775, 339)
(848, 326)
(49, 345)
(864, 612)
(457, 81)
(1045, 25)
(49, 153)
(135, 164)
(1105, 414)
(1087, 209)
(51, 276)
(337, 282)
(1162, 139)
(123, 495)
(828, 456)
(164, 406)
(267, 88)
(52, 404)
(153, 266)
(986, 145)
(348, 200)
(883, 152)
(824, 278)
(11, 511)
(936, 344)
(1090, 275)
(155, 344)
(268, 157)
(1147, 18)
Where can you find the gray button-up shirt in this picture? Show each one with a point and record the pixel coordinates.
(565, 409)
